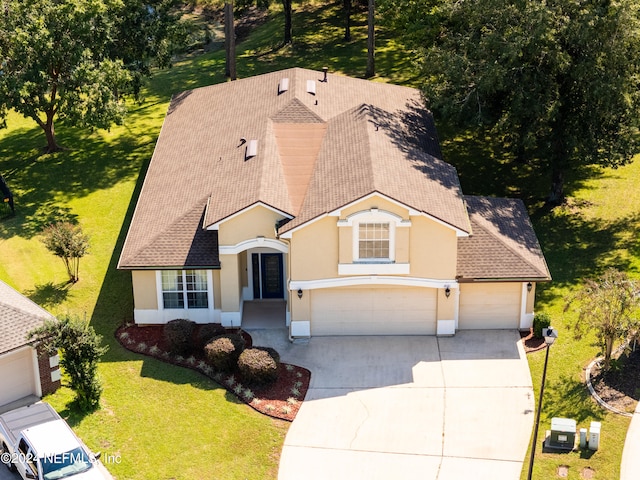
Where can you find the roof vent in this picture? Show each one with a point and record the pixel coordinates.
(311, 87)
(325, 70)
(283, 85)
(252, 149)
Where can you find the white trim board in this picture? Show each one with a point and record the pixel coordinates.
(371, 280)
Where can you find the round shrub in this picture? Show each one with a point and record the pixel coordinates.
(206, 333)
(540, 321)
(222, 352)
(178, 334)
(258, 365)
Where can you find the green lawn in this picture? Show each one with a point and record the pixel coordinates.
(166, 422)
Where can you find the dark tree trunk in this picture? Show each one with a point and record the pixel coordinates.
(229, 41)
(371, 42)
(347, 20)
(50, 133)
(556, 195)
(287, 21)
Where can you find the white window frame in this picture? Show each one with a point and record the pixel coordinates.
(185, 291)
(357, 240)
(362, 266)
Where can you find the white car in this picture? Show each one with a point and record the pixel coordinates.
(38, 443)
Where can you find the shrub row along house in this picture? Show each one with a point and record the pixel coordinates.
(330, 194)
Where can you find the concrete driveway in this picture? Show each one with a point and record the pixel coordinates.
(410, 407)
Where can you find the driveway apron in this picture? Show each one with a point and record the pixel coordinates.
(410, 407)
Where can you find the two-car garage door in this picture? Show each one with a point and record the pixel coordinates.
(17, 375)
(373, 311)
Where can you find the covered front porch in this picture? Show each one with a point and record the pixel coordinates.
(264, 314)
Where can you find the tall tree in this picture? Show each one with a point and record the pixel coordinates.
(288, 13)
(72, 60)
(371, 40)
(347, 19)
(229, 41)
(609, 307)
(556, 80)
(54, 66)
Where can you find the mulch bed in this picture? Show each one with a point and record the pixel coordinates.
(531, 343)
(620, 386)
(281, 399)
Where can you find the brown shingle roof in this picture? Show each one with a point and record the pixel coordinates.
(18, 316)
(379, 137)
(503, 244)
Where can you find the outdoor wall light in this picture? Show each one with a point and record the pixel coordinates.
(529, 286)
(447, 291)
(299, 293)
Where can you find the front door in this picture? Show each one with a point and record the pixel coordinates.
(272, 281)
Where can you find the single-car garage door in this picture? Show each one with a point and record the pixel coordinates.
(17, 375)
(373, 311)
(489, 305)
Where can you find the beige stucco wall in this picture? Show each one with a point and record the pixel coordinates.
(531, 299)
(145, 292)
(433, 249)
(217, 298)
(402, 244)
(446, 306)
(314, 250)
(257, 221)
(300, 307)
(345, 247)
(375, 202)
(230, 283)
(242, 260)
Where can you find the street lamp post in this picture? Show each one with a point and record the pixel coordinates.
(550, 334)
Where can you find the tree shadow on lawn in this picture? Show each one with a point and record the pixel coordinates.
(49, 294)
(576, 247)
(41, 182)
(567, 397)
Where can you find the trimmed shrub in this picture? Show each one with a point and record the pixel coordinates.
(206, 333)
(222, 352)
(178, 334)
(258, 365)
(540, 321)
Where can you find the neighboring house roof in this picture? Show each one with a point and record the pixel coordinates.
(315, 153)
(18, 316)
(503, 244)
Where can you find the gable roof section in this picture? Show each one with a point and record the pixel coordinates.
(18, 316)
(378, 137)
(503, 245)
(182, 244)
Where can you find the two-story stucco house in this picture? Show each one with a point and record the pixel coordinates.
(329, 193)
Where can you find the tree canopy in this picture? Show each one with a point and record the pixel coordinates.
(609, 307)
(81, 349)
(72, 60)
(555, 80)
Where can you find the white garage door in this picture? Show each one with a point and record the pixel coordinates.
(373, 311)
(489, 305)
(17, 375)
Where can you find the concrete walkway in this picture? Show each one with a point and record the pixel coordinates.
(409, 407)
(631, 454)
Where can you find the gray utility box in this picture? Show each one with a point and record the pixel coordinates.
(563, 433)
